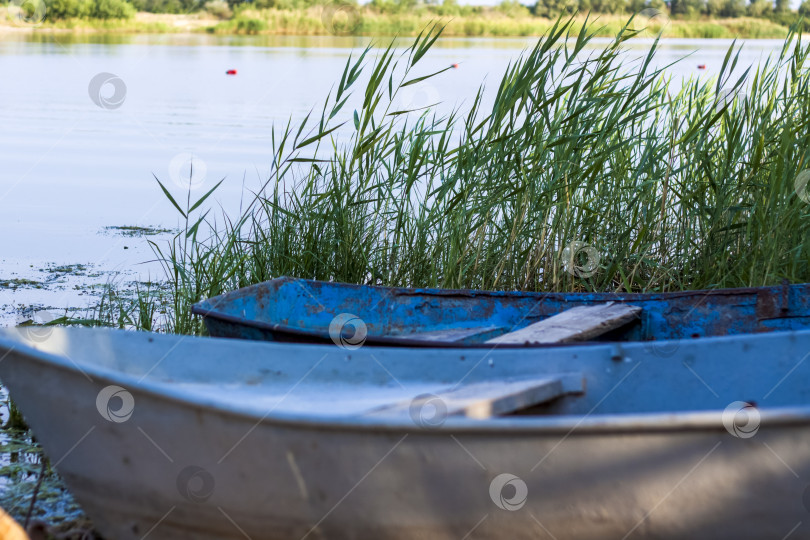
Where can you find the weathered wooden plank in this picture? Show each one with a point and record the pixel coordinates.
(576, 324)
(454, 335)
(489, 398)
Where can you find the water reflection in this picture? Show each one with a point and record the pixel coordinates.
(344, 42)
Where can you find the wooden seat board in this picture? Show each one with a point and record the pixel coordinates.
(488, 398)
(576, 324)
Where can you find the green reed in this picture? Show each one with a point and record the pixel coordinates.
(649, 187)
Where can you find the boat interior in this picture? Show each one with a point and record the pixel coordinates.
(323, 382)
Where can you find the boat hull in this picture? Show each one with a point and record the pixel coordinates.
(605, 487)
(172, 467)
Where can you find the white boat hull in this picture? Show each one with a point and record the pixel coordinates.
(179, 466)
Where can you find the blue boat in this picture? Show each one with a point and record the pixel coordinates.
(300, 310)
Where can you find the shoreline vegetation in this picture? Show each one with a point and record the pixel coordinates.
(651, 185)
(699, 19)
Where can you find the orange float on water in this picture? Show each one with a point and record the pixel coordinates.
(455, 66)
(701, 66)
(230, 72)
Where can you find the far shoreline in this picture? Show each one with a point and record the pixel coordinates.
(365, 23)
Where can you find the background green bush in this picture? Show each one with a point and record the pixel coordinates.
(89, 9)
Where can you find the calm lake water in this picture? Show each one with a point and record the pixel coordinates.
(71, 168)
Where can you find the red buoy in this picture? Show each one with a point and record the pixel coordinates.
(230, 72)
(455, 66)
(701, 66)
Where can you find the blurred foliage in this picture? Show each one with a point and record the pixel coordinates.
(167, 6)
(219, 9)
(89, 9)
(707, 18)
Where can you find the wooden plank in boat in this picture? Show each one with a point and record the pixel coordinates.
(576, 324)
(489, 398)
(453, 335)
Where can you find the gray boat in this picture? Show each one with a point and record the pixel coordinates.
(179, 437)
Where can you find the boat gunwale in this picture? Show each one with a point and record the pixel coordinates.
(588, 424)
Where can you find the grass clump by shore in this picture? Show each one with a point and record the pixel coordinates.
(583, 160)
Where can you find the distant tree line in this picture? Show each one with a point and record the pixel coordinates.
(676, 8)
(167, 6)
(89, 9)
(777, 10)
